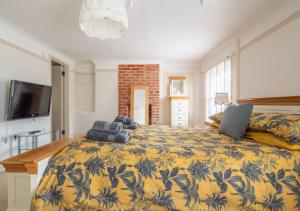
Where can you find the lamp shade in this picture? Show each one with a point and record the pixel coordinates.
(221, 98)
(104, 19)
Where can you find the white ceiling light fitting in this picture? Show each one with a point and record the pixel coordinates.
(104, 19)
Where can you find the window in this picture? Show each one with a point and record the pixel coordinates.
(217, 79)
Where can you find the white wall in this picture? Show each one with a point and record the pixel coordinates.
(107, 94)
(85, 92)
(106, 101)
(23, 58)
(27, 68)
(269, 66)
(270, 18)
(194, 91)
(72, 100)
(16, 36)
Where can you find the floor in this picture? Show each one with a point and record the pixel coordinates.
(3, 192)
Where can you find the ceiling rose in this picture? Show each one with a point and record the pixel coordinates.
(104, 19)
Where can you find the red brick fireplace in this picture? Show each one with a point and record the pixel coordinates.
(139, 75)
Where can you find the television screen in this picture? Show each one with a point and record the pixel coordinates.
(28, 100)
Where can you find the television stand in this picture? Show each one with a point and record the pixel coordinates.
(34, 135)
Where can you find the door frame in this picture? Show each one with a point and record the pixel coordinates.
(66, 123)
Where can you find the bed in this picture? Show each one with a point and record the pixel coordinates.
(165, 168)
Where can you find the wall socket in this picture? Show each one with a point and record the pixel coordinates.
(5, 140)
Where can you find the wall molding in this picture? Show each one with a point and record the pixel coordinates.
(16, 47)
(90, 73)
(223, 46)
(114, 64)
(273, 29)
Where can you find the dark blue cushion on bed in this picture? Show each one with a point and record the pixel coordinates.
(235, 120)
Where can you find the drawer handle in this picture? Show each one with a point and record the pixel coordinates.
(179, 110)
(179, 117)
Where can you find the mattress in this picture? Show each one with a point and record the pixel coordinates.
(165, 168)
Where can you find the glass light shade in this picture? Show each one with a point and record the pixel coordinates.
(104, 19)
(221, 98)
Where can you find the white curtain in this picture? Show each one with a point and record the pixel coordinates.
(217, 79)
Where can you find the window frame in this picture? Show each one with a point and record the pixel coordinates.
(218, 79)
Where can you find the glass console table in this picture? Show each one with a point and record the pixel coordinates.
(34, 138)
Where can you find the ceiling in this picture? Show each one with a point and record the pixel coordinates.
(167, 30)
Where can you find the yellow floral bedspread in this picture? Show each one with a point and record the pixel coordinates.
(164, 168)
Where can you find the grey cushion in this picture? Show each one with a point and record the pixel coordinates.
(235, 120)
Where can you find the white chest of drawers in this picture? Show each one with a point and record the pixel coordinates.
(179, 111)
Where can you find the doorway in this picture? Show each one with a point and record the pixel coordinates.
(59, 99)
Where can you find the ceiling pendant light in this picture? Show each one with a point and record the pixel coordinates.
(104, 19)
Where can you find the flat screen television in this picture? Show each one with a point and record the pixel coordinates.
(28, 100)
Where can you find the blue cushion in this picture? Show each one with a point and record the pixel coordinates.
(235, 120)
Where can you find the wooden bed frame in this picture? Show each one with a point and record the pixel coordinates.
(275, 101)
(288, 105)
(25, 170)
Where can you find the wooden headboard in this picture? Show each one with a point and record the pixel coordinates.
(275, 101)
(289, 105)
